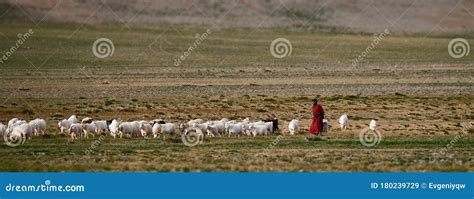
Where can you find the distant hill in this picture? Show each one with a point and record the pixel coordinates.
(407, 16)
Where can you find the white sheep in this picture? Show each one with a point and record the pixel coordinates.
(146, 129)
(218, 127)
(89, 129)
(235, 129)
(269, 127)
(182, 127)
(343, 121)
(212, 130)
(325, 126)
(75, 131)
(258, 129)
(39, 126)
(293, 127)
(101, 126)
(14, 124)
(227, 124)
(168, 128)
(113, 128)
(373, 125)
(64, 125)
(129, 128)
(24, 131)
(200, 128)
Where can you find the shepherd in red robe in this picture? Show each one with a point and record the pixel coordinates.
(318, 116)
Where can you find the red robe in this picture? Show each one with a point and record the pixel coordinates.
(318, 116)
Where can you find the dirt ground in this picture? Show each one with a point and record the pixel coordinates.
(415, 131)
(419, 94)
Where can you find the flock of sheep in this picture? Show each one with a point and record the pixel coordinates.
(88, 127)
(23, 129)
(156, 128)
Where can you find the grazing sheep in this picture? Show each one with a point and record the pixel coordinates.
(39, 126)
(274, 122)
(270, 128)
(258, 129)
(75, 131)
(24, 131)
(14, 124)
(113, 128)
(64, 125)
(129, 128)
(212, 130)
(227, 124)
(343, 121)
(89, 129)
(146, 129)
(168, 128)
(216, 127)
(325, 126)
(182, 127)
(102, 126)
(293, 127)
(200, 128)
(373, 125)
(235, 129)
